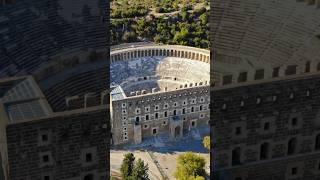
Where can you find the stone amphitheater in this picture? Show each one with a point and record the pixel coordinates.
(157, 89)
(53, 90)
(265, 119)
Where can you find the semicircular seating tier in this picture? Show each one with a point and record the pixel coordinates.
(267, 33)
(31, 32)
(146, 68)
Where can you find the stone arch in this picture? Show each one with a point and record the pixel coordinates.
(264, 151)
(177, 131)
(292, 146)
(236, 156)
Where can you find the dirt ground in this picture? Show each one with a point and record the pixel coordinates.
(163, 152)
(168, 162)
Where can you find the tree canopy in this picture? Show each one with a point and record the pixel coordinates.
(206, 142)
(190, 167)
(134, 170)
(187, 25)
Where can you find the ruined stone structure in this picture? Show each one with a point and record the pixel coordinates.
(38, 142)
(147, 80)
(270, 35)
(53, 90)
(157, 89)
(266, 125)
(67, 145)
(267, 129)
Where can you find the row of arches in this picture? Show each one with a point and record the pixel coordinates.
(264, 151)
(159, 52)
(275, 72)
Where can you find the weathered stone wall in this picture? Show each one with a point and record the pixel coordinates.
(67, 146)
(125, 111)
(271, 112)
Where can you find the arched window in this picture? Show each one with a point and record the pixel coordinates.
(174, 112)
(88, 177)
(183, 111)
(264, 151)
(317, 143)
(236, 153)
(318, 67)
(292, 145)
(192, 109)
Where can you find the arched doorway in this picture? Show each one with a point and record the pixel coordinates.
(177, 131)
(292, 144)
(236, 154)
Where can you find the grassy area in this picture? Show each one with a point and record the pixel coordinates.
(183, 22)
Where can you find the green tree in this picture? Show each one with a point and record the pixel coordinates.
(131, 170)
(140, 27)
(157, 38)
(197, 178)
(206, 142)
(204, 18)
(129, 36)
(140, 171)
(185, 15)
(190, 167)
(127, 165)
